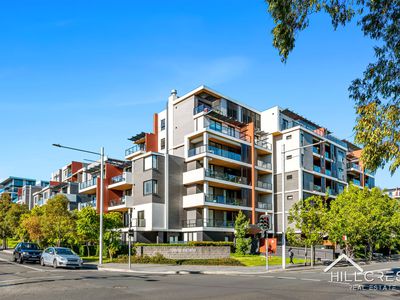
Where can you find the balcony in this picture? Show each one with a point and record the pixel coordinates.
(331, 191)
(88, 187)
(226, 177)
(194, 200)
(228, 131)
(263, 205)
(264, 185)
(135, 150)
(317, 169)
(264, 165)
(328, 172)
(208, 223)
(220, 199)
(121, 182)
(263, 144)
(215, 151)
(201, 108)
(356, 182)
(91, 203)
(138, 222)
(120, 204)
(327, 155)
(224, 153)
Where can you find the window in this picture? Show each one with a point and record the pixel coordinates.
(162, 143)
(289, 177)
(285, 124)
(150, 187)
(288, 157)
(289, 197)
(162, 124)
(289, 137)
(150, 162)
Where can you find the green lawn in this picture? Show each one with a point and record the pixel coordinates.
(257, 260)
(96, 259)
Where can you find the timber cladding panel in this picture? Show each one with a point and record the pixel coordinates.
(185, 252)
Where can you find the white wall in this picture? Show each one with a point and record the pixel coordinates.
(293, 143)
(270, 120)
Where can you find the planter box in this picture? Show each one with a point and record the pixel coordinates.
(185, 252)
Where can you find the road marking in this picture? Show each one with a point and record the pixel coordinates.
(267, 276)
(310, 279)
(287, 277)
(21, 265)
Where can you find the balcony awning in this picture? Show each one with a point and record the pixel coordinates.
(217, 114)
(137, 137)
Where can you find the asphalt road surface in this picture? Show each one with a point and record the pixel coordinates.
(31, 281)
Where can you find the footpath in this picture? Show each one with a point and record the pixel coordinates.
(196, 269)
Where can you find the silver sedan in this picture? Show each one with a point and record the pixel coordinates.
(60, 257)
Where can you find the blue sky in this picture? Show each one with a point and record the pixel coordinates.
(91, 73)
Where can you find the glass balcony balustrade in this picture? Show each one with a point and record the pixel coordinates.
(88, 183)
(135, 148)
(317, 188)
(264, 185)
(328, 172)
(216, 151)
(227, 130)
(265, 165)
(208, 223)
(221, 199)
(226, 177)
(317, 169)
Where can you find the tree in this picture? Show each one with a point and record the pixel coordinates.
(366, 217)
(31, 225)
(376, 94)
(112, 235)
(310, 217)
(242, 243)
(57, 223)
(87, 226)
(5, 231)
(13, 217)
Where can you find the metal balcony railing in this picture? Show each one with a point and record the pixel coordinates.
(88, 183)
(135, 148)
(264, 144)
(220, 199)
(264, 185)
(226, 177)
(208, 223)
(265, 165)
(264, 205)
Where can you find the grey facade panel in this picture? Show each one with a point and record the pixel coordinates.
(291, 181)
(176, 191)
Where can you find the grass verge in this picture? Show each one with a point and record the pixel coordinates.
(257, 260)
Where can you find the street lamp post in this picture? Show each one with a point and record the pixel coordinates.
(283, 198)
(101, 154)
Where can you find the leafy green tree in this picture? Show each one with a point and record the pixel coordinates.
(112, 235)
(376, 94)
(31, 226)
(57, 223)
(242, 244)
(310, 217)
(87, 226)
(13, 217)
(365, 217)
(5, 230)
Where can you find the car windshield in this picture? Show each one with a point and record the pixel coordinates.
(64, 251)
(29, 246)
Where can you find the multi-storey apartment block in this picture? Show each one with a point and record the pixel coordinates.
(25, 193)
(356, 173)
(393, 193)
(12, 184)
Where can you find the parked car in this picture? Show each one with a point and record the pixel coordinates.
(60, 257)
(27, 252)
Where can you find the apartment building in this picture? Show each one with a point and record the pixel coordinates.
(210, 156)
(393, 193)
(356, 173)
(63, 181)
(11, 185)
(25, 193)
(206, 159)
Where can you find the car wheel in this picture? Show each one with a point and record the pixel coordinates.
(21, 261)
(55, 264)
(42, 262)
(15, 258)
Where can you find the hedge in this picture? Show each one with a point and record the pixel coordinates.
(188, 244)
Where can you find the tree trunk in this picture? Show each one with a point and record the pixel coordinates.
(305, 255)
(4, 243)
(312, 256)
(88, 250)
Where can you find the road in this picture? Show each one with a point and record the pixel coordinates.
(31, 281)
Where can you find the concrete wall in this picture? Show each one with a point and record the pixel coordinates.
(185, 252)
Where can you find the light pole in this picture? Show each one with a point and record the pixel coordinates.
(101, 154)
(283, 198)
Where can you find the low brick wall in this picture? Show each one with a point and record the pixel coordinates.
(185, 252)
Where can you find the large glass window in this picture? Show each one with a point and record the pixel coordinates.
(150, 162)
(150, 187)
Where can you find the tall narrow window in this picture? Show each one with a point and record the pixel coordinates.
(162, 143)
(162, 124)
